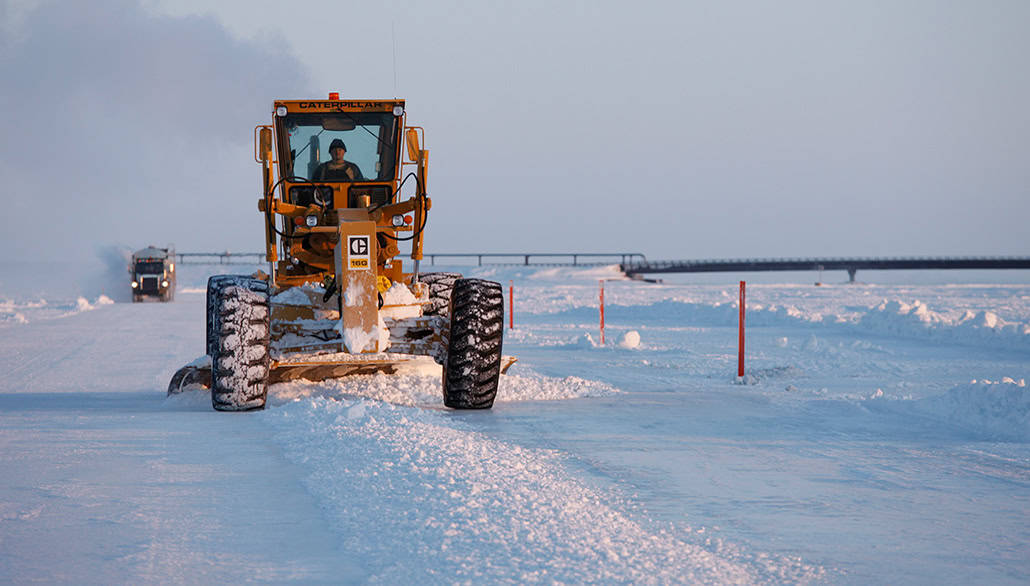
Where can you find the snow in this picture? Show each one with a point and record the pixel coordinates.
(398, 294)
(882, 436)
(993, 410)
(399, 303)
(629, 340)
(296, 295)
(357, 339)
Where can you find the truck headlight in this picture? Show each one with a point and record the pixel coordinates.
(398, 221)
(311, 221)
(398, 110)
(135, 284)
(164, 283)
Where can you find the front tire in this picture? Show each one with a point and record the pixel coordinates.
(214, 284)
(472, 367)
(240, 362)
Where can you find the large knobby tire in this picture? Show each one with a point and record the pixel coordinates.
(240, 362)
(472, 367)
(440, 285)
(214, 283)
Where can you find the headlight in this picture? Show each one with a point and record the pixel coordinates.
(311, 221)
(398, 110)
(398, 221)
(164, 283)
(135, 284)
(280, 111)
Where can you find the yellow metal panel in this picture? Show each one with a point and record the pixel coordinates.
(355, 257)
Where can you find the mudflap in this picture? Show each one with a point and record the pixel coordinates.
(190, 377)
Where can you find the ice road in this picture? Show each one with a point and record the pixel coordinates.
(880, 436)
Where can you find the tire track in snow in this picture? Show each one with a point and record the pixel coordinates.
(420, 496)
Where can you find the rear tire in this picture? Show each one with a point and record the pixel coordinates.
(440, 286)
(240, 362)
(472, 367)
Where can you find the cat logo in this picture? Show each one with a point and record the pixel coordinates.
(357, 253)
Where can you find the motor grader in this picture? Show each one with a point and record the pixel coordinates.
(344, 189)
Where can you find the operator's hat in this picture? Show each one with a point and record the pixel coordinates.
(337, 144)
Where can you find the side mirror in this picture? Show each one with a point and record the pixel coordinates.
(264, 143)
(413, 146)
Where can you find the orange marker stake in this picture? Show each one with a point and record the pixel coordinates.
(740, 345)
(511, 305)
(602, 312)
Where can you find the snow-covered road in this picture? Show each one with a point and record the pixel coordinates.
(858, 450)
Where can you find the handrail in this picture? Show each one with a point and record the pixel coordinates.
(849, 264)
(525, 259)
(614, 257)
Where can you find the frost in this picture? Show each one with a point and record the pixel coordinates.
(357, 295)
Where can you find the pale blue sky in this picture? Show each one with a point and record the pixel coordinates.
(677, 129)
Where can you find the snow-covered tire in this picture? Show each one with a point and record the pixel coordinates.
(472, 367)
(440, 285)
(214, 283)
(240, 363)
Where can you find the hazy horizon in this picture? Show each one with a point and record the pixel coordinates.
(679, 130)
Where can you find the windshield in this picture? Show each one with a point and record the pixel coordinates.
(150, 267)
(368, 139)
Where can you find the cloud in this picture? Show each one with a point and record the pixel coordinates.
(122, 125)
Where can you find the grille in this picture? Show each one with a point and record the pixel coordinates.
(149, 285)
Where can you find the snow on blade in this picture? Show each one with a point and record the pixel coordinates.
(423, 389)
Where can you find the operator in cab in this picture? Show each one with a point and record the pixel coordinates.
(338, 169)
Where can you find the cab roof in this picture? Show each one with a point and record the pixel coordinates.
(150, 252)
(338, 105)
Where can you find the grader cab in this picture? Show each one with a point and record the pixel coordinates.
(344, 191)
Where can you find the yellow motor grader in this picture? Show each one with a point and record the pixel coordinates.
(337, 298)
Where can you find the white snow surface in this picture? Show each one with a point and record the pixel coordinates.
(881, 435)
(295, 295)
(399, 294)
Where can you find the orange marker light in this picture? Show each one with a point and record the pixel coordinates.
(334, 95)
(298, 221)
(408, 220)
